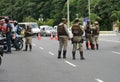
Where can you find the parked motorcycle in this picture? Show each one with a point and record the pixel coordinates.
(1, 53)
(18, 40)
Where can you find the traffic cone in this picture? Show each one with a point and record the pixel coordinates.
(51, 36)
(88, 44)
(56, 37)
(39, 37)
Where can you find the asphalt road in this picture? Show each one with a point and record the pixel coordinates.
(42, 65)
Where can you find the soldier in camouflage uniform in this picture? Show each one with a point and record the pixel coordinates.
(77, 32)
(95, 34)
(88, 35)
(63, 36)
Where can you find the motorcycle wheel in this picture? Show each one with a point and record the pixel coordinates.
(5, 48)
(0, 60)
(20, 43)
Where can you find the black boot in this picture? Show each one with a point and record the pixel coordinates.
(30, 46)
(87, 46)
(73, 54)
(81, 55)
(97, 46)
(26, 48)
(64, 54)
(92, 46)
(59, 54)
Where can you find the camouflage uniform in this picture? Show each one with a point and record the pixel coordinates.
(28, 38)
(63, 36)
(77, 39)
(95, 34)
(88, 35)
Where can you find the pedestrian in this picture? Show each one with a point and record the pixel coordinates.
(95, 34)
(8, 35)
(28, 38)
(63, 36)
(77, 32)
(88, 35)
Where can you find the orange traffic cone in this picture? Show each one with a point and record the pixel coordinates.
(88, 44)
(39, 37)
(51, 36)
(56, 37)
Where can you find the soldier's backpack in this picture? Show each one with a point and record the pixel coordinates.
(61, 30)
(76, 30)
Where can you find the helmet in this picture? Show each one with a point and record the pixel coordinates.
(76, 20)
(6, 19)
(63, 19)
(95, 22)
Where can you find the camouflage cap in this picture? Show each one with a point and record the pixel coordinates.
(64, 19)
(96, 22)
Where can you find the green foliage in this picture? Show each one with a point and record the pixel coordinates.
(105, 11)
(94, 17)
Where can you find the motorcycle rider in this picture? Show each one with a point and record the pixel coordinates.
(15, 33)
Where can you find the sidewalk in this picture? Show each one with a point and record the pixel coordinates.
(107, 33)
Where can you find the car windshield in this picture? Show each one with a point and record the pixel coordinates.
(33, 25)
(22, 25)
(49, 28)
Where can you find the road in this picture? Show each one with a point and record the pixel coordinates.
(42, 65)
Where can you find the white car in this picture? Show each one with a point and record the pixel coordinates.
(33, 26)
(46, 30)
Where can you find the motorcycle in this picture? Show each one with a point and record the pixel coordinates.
(17, 39)
(1, 53)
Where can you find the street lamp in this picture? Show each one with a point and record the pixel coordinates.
(41, 17)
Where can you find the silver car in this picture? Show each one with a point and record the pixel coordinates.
(47, 31)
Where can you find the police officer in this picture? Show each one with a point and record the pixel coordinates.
(77, 38)
(88, 35)
(8, 35)
(28, 38)
(95, 34)
(63, 36)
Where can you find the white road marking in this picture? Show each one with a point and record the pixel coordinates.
(51, 53)
(70, 63)
(98, 80)
(41, 48)
(115, 52)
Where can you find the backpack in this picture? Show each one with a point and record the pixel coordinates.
(76, 30)
(61, 30)
(19, 30)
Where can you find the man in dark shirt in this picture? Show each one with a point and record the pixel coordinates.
(8, 34)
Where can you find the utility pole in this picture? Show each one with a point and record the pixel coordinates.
(68, 14)
(11, 9)
(89, 8)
